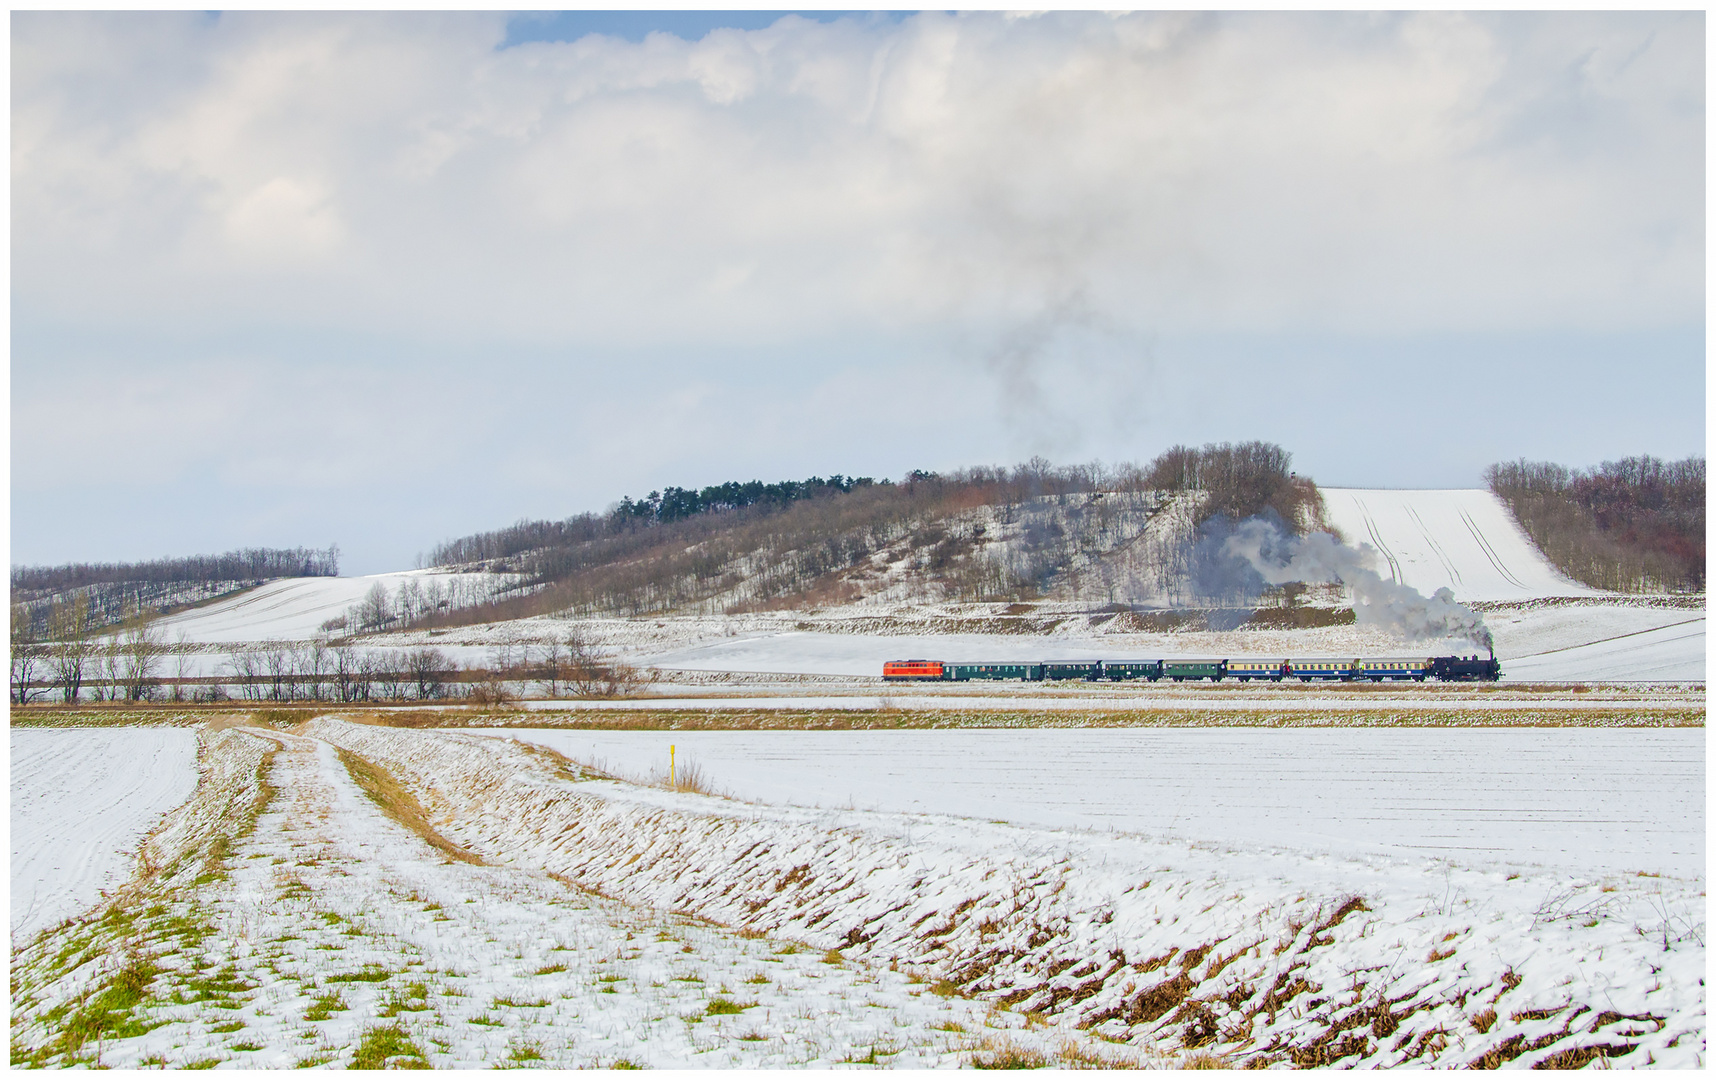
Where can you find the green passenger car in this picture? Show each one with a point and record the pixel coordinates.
(996, 670)
(1181, 670)
(1123, 670)
(1087, 670)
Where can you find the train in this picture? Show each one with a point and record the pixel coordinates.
(1359, 669)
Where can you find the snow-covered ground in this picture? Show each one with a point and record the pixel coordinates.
(302, 924)
(1675, 652)
(1582, 801)
(1073, 923)
(1464, 540)
(326, 933)
(293, 609)
(81, 800)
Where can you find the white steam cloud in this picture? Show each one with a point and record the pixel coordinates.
(1279, 558)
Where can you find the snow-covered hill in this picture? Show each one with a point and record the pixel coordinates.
(295, 609)
(1464, 540)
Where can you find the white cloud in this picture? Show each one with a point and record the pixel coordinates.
(321, 264)
(1185, 173)
(285, 218)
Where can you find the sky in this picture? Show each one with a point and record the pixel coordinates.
(380, 280)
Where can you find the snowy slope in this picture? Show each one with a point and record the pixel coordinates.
(1463, 540)
(290, 610)
(1670, 653)
(79, 798)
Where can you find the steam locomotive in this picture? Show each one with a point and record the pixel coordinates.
(1416, 668)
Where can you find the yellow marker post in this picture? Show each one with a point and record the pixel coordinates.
(672, 785)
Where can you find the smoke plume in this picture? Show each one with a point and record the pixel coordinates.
(1319, 559)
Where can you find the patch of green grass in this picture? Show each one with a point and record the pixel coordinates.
(368, 975)
(486, 1020)
(526, 1052)
(110, 1013)
(388, 1048)
(202, 1063)
(620, 1064)
(325, 1006)
(725, 1007)
(507, 1002)
(228, 1027)
(414, 998)
(245, 1047)
(550, 969)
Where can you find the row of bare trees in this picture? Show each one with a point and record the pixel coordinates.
(1634, 525)
(76, 664)
(318, 671)
(81, 658)
(415, 601)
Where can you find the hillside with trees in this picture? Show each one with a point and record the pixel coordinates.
(1122, 534)
(1634, 525)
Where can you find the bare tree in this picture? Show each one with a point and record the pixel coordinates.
(278, 663)
(314, 661)
(137, 653)
(69, 626)
(553, 663)
(26, 656)
(246, 664)
(363, 677)
(344, 666)
(181, 665)
(588, 675)
(105, 683)
(389, 674)
(428, 670)
(375, 609)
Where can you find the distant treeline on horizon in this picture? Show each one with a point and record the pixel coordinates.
(247, 564)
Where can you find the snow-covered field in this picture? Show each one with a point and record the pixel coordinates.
(81, 800)
(514, 909)
(1464, 540)
(1675, 652)
(1578, 800)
